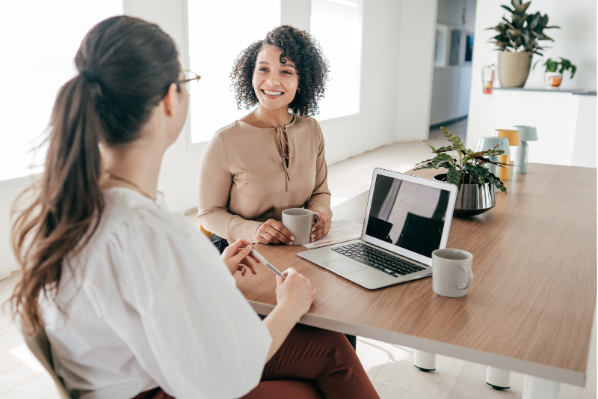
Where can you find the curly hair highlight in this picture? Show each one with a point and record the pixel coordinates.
(296, 45)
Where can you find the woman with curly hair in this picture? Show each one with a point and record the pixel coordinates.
(273, 158)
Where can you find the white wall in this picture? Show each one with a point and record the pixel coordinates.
(575, 41)
(450, 13)
(180, 167)
(416, 64)
(374, 126)
(566, 124)
(296, 13)
(584, 148)
(452, 84)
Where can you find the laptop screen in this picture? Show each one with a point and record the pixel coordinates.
(407, 214)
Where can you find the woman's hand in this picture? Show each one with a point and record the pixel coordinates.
(236, 256)
(273, 232)
(295, 294)
(321, 228)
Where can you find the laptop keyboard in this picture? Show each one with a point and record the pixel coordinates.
(378, 259)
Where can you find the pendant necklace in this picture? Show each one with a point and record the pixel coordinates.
(109, 175)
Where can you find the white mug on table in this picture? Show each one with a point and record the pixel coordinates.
(299, 222)
(451, 272)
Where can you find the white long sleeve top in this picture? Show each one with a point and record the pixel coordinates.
(150, 303)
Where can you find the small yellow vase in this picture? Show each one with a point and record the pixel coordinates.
(513, 137)
(503, 171)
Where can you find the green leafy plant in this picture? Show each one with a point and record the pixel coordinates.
(562, 66)
(468, 169)
(523, 32)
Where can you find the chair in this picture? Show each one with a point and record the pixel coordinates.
(40, 347)
(207, 233)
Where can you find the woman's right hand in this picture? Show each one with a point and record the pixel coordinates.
(295, 293)
(273, 232)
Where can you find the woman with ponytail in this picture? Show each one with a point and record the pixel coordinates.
(137, 303)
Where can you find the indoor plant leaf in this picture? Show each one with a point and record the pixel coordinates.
(455, 140)
(446, 149)
(430, 145)
(441, 158)
(497, 183)
(453, 176)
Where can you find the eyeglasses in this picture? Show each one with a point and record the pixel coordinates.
(189, 77)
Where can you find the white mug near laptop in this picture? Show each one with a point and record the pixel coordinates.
(451, 272)
(299, 222)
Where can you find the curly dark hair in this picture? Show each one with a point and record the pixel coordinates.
(296, 45)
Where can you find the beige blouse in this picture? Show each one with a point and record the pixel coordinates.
(244, 179)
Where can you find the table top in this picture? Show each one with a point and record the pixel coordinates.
(530, 308)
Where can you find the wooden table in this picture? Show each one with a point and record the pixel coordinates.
(530, 308)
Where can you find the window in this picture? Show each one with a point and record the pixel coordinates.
(39, 41)
(336, 24)
(218, 32)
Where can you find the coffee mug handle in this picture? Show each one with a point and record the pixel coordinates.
(469, 278)
(316, 215)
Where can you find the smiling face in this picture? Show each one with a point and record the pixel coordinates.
(275, 84)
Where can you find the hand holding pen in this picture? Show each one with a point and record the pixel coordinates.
(256, 255)
(293, 290)
(236, 255)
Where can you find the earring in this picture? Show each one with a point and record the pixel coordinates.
(299, 90)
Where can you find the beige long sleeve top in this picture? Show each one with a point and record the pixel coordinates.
(244, 178)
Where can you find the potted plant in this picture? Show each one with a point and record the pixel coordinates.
(517, 40)
(477, 185)
(552, 77)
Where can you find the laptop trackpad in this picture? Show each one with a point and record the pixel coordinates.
(344, 266)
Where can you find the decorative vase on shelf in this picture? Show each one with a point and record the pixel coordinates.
(552, 80)
(513, 68)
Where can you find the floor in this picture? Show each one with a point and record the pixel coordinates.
(390, 367)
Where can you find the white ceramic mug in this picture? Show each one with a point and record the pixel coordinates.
(451, 272)
(299, 222)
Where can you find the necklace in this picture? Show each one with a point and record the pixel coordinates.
(109, 175)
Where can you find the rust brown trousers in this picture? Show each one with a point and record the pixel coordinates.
(310, 364)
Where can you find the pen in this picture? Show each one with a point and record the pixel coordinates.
(268, 264)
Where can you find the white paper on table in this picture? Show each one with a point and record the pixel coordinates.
(341, 230)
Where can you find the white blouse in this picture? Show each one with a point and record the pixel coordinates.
(156, 306)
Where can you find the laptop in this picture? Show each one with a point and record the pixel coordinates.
(406, 218)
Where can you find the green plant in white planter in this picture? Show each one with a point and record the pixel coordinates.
(553, 75)
(517, 40)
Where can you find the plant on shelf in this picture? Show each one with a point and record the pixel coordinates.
(523, 32)
(517, 40)
(469, 168)
(562, 66)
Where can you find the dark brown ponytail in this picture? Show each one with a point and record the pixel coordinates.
(125, 67)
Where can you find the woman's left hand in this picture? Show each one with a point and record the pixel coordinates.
(321, 228)
(236, 256)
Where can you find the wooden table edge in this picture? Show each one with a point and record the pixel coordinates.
(471, 355)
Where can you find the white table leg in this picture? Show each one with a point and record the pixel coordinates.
(498, 379)
(424, 361)
(539, 388)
